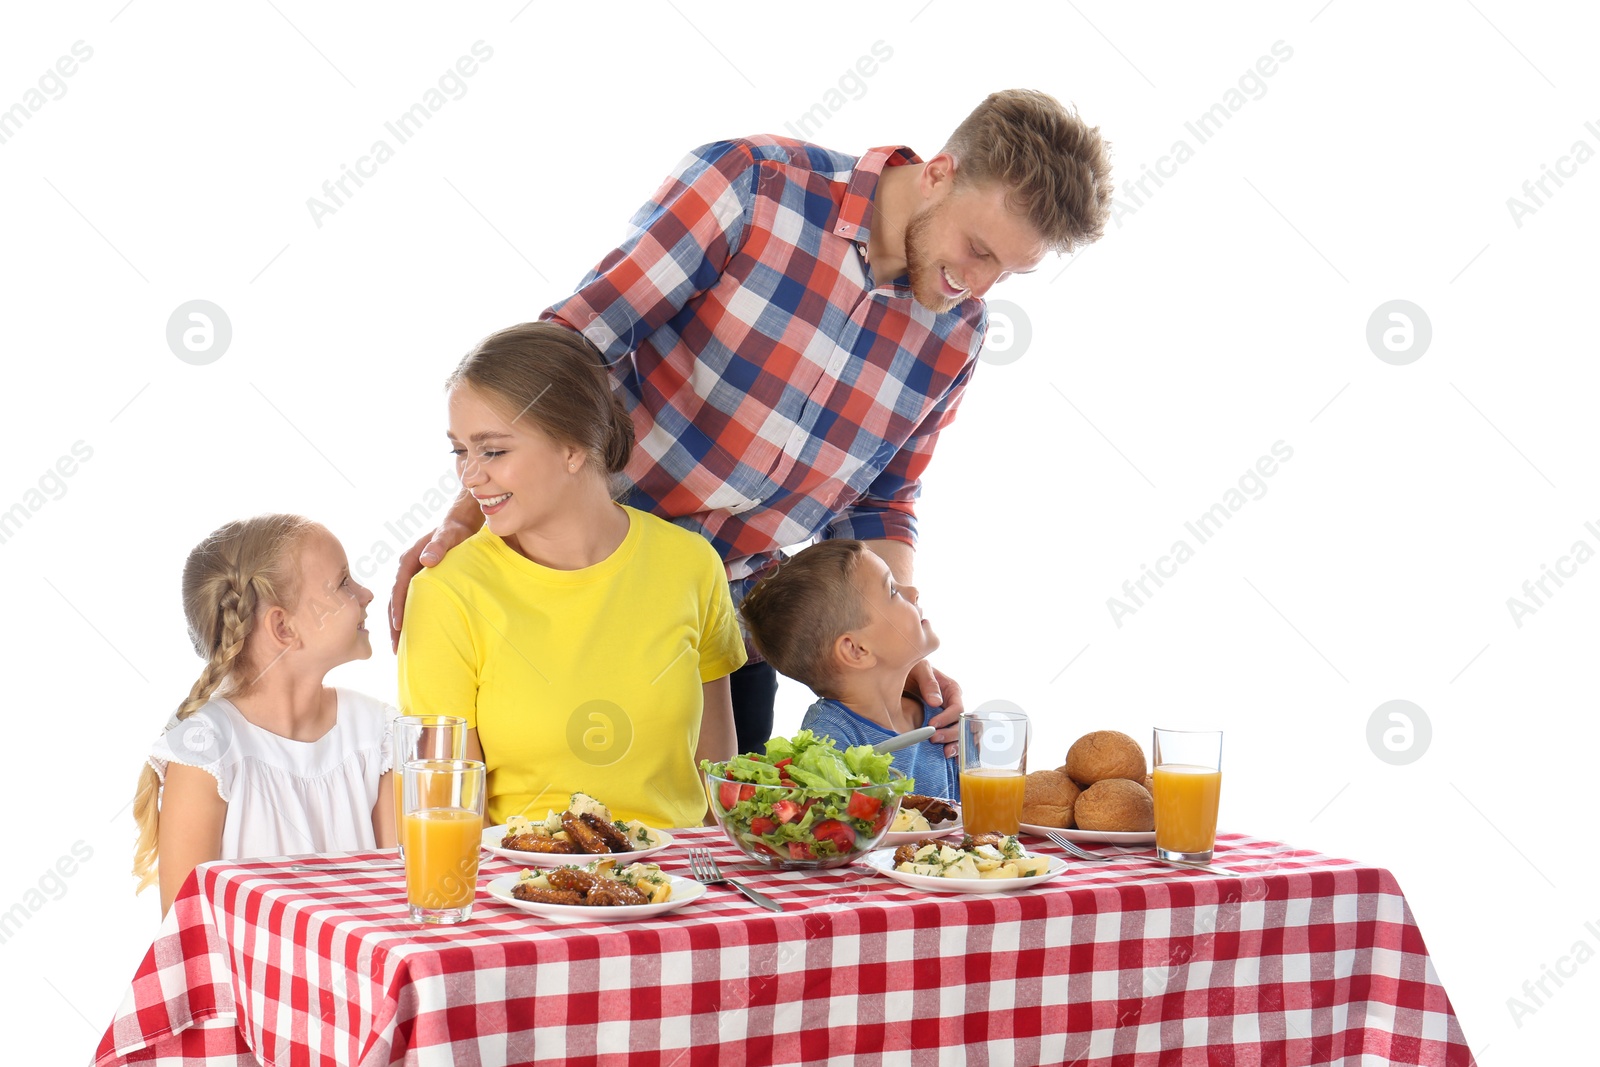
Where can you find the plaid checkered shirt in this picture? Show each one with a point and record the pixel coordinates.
(779, 391)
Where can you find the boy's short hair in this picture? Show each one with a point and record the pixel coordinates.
(797, 612)
(1053, 165)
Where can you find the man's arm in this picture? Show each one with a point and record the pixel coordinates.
(677, 246)
(886, 511)
(459, 523)
(885, 518)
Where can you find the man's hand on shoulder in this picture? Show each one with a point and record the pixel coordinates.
(938, 690)
(461, 522)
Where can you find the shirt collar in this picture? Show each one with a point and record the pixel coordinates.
(855, 212)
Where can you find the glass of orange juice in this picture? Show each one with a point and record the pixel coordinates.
(442, 831)
(1187, 784)
(994, 766)
(414, 737)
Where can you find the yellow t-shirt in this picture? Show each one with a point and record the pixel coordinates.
(585, 680)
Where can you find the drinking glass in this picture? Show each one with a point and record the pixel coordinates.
(415, 737)
(442, 830)
(1187, 783)
(994, 765)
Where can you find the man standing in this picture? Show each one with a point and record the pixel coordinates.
(791, 328)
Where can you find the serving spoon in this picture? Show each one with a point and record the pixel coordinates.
(905, 740)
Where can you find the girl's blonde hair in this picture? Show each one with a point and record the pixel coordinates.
(239, 569)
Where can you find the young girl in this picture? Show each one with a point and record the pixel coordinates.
(262, 759)
(587, 644)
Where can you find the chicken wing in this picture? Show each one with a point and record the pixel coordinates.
(614, 838)
(615, 894)
(934, 809)
(533, 893)
(538, 843)
(571, 878)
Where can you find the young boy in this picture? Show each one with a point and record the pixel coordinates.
(834, 618)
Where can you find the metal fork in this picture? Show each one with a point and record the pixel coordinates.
(1072, 849)
(703, 865)
(1082, 854)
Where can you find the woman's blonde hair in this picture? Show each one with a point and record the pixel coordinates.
(239, 569)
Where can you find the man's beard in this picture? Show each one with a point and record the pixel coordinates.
(927, 286)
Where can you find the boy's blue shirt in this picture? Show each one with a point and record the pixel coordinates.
(936, 774)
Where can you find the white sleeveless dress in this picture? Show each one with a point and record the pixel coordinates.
(285, 797)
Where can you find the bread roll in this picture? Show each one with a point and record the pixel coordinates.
(1115, 804)
(1048, 798)
(1105, 754)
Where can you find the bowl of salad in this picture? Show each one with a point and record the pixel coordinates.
(806, 804)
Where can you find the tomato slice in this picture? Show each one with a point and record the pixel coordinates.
(728, 794)
(746, 792)
(862, 806)
(786, 811)
(841, 836)
(784, 762)
(761, 826)
(799, 850)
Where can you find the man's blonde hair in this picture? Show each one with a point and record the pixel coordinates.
(1054, 167)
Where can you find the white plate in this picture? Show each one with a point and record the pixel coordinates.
(684, 890)
(882, 861)
(495, 834)
(1095, 837)
(910, 837)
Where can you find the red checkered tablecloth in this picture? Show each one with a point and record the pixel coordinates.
(1293, 958)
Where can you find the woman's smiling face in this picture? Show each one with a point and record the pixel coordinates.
(517, 473)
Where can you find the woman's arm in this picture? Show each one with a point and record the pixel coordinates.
(717, 738)
(190, 829)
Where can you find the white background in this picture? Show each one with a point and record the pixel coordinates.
(1225, 314)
